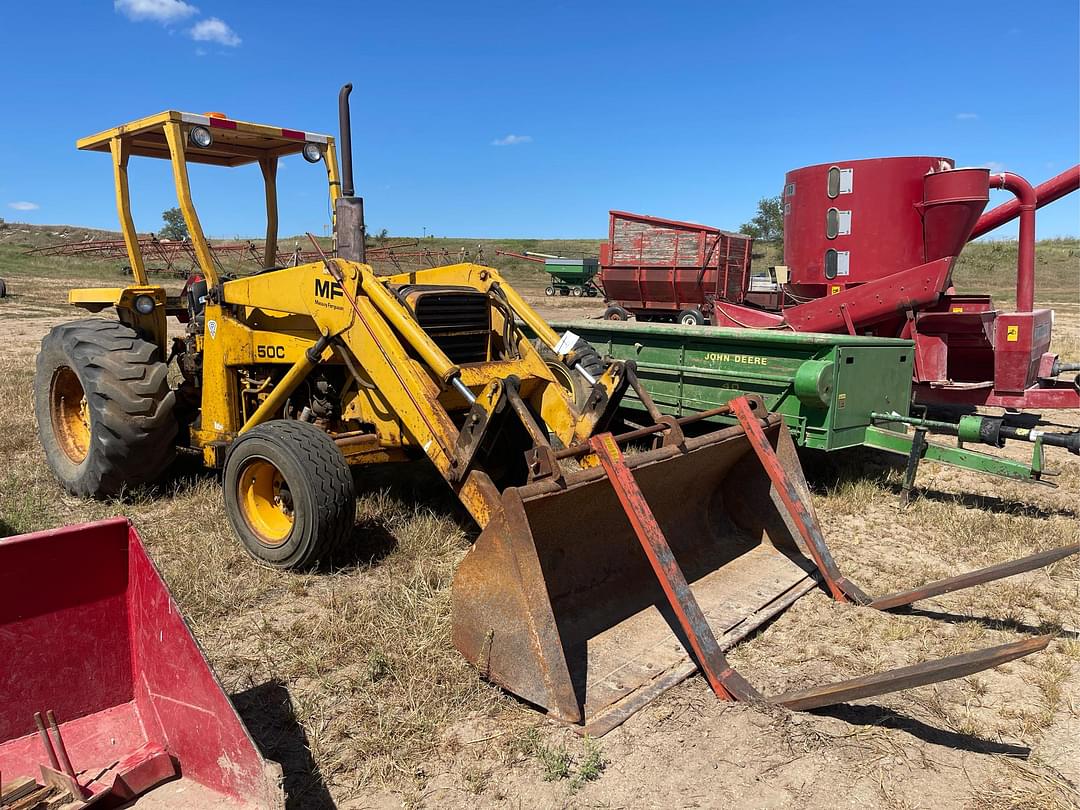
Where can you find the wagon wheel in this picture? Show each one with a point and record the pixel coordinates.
(549, 291)
(576, 292)
(691, 317)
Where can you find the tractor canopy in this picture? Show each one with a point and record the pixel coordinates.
(208, 138)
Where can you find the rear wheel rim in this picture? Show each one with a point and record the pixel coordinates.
(70, 414)
(265, 501)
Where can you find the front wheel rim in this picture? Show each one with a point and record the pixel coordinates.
(265, 501)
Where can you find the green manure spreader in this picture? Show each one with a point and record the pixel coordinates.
(834, 391)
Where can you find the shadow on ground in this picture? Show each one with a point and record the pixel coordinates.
(268, 714)
(863, 715)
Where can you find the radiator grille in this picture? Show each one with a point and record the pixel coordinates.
(458, 321)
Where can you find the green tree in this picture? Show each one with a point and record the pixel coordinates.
(175, 227)
(768, 224)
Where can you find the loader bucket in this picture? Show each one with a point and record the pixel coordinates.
(558, 603)
(103, 689)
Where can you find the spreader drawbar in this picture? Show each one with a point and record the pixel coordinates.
(727, 683)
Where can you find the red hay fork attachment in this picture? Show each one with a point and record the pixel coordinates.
(690, 546)
(722, 678)
(93, 639)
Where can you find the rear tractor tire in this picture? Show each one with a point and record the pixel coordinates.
(289, 494)
(104, 408)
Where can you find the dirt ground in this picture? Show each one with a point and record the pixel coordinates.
(348, 678)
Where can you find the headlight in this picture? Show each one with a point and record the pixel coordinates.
(200, 137)
(144, 304)
(312, 153)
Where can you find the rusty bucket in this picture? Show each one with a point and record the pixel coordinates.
(558, 601)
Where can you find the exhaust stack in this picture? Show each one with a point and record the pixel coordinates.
(349, 210)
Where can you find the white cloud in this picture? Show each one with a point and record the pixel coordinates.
(214, 30)
(512, 140)
(23, 205)
(966, 116)
(162, 11)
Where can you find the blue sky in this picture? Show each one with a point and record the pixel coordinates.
(685, 110)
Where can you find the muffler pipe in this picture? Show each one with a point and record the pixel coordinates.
(345, 145)
(349, 209)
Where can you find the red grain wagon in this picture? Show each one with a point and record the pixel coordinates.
(663, 269)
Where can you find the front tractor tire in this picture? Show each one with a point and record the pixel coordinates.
(289, 494)
(104, 408)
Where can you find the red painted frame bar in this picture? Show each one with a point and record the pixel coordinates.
(725, 682)
(841, 589)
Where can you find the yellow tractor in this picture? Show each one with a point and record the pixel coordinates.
(576, 595)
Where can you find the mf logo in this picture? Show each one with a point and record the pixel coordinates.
(327, 288)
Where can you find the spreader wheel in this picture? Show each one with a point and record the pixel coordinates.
(289, 493)
(104, 408)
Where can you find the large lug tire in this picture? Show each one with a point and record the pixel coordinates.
(691, 317)
(589, 358)
(104, 408)
(289, 494)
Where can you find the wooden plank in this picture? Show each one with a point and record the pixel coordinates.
(17, 788)
(32, 801)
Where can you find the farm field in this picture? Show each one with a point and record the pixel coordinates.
(349, 679)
